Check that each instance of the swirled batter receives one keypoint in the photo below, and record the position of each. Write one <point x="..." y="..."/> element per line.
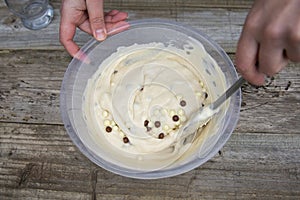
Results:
<point x="142" y="95"/>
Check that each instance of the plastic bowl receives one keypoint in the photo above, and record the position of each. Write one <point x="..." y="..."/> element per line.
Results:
<point x="144" y="32"/>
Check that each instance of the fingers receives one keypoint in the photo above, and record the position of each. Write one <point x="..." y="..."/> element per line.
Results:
<point x="114" y="28"/>
<point x="272" y="58"/>
<point x="85" y="26"/>
<point x="114" y="23"/>
<point x="293" y="52"/>
<point x="114" y="16"/>
<point x="96" y="18"/>
<point x="89" y="17"/>
<point x="80" y="55"/>
<point x="293" y="49"/>
<point x="66" y="34"/>
<point x="246" y="59"/>
<point x="274" y="27"/>
<point x="255" y="60"/>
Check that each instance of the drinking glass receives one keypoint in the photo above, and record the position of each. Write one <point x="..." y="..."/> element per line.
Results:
<point x="34" y="14"/>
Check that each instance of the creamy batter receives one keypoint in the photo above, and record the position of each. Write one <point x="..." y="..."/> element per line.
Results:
<point x="141" y="97"/>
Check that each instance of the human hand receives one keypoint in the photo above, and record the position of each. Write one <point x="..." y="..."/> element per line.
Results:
<point x="270" y="37"/>
<point x="88" y="16"/>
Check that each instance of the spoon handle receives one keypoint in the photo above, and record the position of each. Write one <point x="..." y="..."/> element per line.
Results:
<point x="228" y="93"/>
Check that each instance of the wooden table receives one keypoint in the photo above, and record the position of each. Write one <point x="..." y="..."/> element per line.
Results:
<point x="38" y="160"/>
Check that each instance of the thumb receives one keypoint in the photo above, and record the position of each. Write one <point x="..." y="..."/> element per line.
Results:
<point x="246" y="59"/>
<point x="96" y="18"/>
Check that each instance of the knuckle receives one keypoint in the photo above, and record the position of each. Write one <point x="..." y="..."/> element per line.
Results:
<point x="242" y="68"/>
<point x="97" y="20"/>
<point x="253" y="23"/>
<point x="273" y="32"/>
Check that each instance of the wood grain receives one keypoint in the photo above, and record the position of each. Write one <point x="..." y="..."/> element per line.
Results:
<point x="38" y="160"/>
<point x="223" y="23"/>
<point x="41" y="160"/>
<point x="30" y="85"/>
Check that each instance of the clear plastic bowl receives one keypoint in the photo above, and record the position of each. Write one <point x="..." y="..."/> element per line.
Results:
<point x="142" y="32"/>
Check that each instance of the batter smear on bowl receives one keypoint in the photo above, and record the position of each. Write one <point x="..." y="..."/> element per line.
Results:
<point x="143" y="94"/>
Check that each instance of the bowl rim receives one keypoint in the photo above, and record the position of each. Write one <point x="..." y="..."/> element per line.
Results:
<point x="236" y="98"/>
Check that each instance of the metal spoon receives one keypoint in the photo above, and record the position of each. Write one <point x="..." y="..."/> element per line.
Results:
<point x="203" y="115"/>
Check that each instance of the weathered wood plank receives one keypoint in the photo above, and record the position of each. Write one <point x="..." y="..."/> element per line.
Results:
<point x="41" y="161"/>
<point x="36" y="194"/>
<point x="275" y="107"/>
<point x="217" y="19"/>
<point x="38" y="160"/>
<point x="30" y="85"/>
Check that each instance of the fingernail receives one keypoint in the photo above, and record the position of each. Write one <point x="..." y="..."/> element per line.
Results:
<point x="82" y="57"/>
<point x="100" y="34"/>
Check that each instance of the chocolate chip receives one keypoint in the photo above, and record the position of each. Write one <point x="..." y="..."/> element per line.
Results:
<point x="175" y="118"/>
<point x="157" y="124"/>
<point x="146" y="122"/>
<point x="205" y="95"/>
<point x="203" y="105"/>
<point x="125" y="139"/>
<point x="108" y="129"/>
<point x="182" y="103"/>
<point x="149" y="128"/>
<point x="161" y="136"/>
